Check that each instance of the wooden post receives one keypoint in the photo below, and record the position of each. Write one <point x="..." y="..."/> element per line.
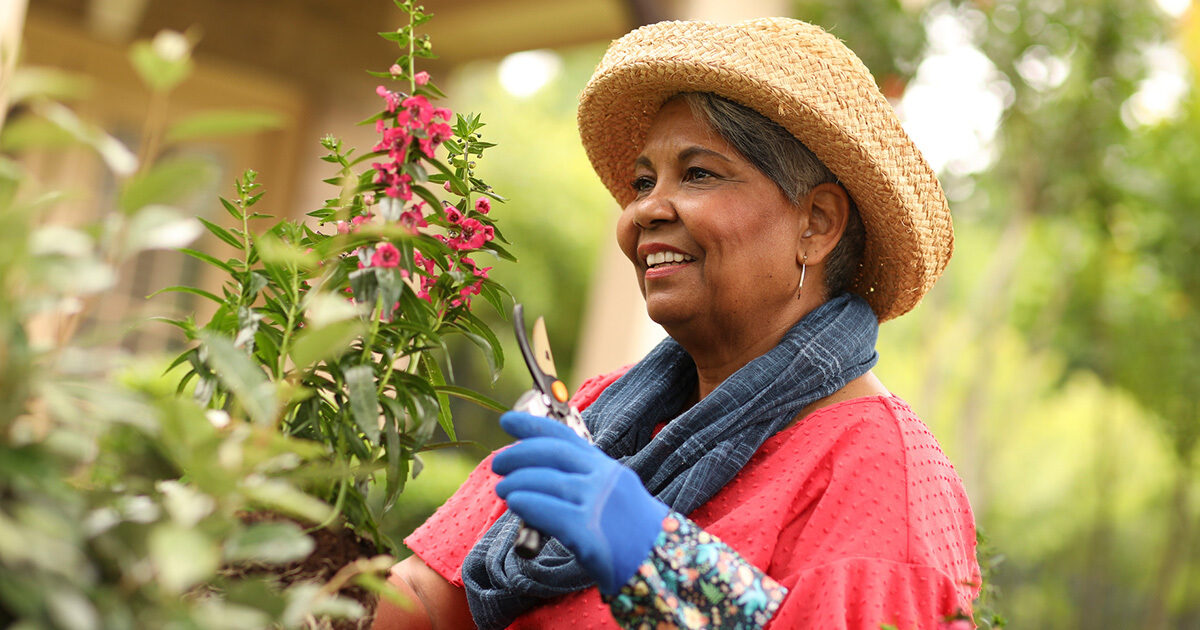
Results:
<point x="12" y="20"/>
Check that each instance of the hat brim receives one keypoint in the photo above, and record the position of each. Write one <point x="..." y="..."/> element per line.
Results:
<point x="806" y="80"/>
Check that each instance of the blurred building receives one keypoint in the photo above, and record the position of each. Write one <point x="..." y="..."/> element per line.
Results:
<point x="306" y="60"/>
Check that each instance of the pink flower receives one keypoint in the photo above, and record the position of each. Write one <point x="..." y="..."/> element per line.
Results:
<point x="369" y="199"/>
<point x="452" y="214"/>
<point x="396" y="70"/>
<point x="412" y="219"/>
<point x="421" y="261"/>
<point x="443" y="113"/>
<point x="357" y="221"/>
<point x="392" y="99"/>
<point x="419" y="108"/>
<point x="471" y="289"/>
<point x="479" y="272"/>
<point x="448" y="188"/>
<point x="483" y="206"/>
<point x="399" y="187"/>
<point x="421" y="78"/>
<point x="386" y="255"/>
<point x="437" y="134"/>
<point x="343" y="227"/>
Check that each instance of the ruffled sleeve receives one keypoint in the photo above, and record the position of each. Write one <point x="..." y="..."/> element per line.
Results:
<point x="865" y="593"/>
<point x="692" y="579"/>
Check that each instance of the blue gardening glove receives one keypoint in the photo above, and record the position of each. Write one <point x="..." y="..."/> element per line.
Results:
<point x="566" y="488"/>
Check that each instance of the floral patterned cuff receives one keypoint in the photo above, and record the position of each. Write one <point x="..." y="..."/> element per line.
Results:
<point x="693" y="580"/>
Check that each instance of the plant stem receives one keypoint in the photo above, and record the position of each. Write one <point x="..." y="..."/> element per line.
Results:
<point x="412" y="62"/>
<point x="293" y="304"/>
<point x="387" y="373"/>
<point x="152" y="130"/>
<point x="369" y="342"/>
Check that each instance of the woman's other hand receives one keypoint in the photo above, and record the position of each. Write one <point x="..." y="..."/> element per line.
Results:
<point x="566" y="488"/>
<point x="433" y="602"/>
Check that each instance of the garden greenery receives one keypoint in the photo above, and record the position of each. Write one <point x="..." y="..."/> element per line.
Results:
<point x="334" y="333"/>
<point x="322" y="371"/>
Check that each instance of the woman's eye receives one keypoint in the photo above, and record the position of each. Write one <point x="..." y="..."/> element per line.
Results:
<point x="696" y="173"/>
<point x="642" y="184"/>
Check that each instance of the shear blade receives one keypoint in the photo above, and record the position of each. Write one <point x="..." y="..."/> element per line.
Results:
<point x="541" y="348"/>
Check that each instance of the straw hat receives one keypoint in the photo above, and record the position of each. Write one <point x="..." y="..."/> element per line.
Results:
<point x="808" y="81"/>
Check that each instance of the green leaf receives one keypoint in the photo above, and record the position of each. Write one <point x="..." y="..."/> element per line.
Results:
<point x="284" y="497"/>
<point x="186" y="505"/>
<point x="276" y="542"/>
<point x="182" y="557"/>
<point x="119" y="159"/>
<point x="473" y="396"/>
<point x="167" y="182"/>
<point x="159" y="227"/>
<point x="499" y="251"/>
<point x="364" y="405"/>
<point x="428" y="196"/>
<point x="225" y="122"/>
<point x="305" y="601"/>
<point x="163" y="62"/>
<point x="319" y="344"/>
<point x="275" y="251"/>
<point x="435" y="373"/>
<point x="397" y="462"/>
<point x="243" y="377"/>
<point x="400" y="37"/>
<point x="482" y="336"/>
<point x="222" y="233"/>
<point x="70" y="609"/>
<point x="199" y="255"/>
<point x="31" y="132"/>
<point x="385" y="590"/>
<point x="31" y="82"/>
<point x="183" y="289"/>
<point x="231" y="208"/>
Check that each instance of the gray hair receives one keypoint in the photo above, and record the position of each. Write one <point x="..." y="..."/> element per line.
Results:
<point x="775" y="152"/>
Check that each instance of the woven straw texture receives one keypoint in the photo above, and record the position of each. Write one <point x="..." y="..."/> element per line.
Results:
<point x="808" y="81"/>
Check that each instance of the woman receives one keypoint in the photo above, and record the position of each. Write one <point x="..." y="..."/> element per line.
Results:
<point x="751" y="470"/>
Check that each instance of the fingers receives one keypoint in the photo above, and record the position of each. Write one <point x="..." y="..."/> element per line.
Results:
<point x="564" y="486"/>
<point x="543" y="452"/>
<point x="525" y="425"/>
<point x="544" y="513"/>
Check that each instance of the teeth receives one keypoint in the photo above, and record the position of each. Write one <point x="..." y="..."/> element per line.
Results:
<point x="659" y="258"/>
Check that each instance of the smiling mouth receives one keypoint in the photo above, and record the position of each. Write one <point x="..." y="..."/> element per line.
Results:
<point x="663" y="259"/>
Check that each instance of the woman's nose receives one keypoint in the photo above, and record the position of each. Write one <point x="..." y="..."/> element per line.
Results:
<point x="653" y="210"/>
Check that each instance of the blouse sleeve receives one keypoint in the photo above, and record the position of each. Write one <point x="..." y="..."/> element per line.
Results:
<point x="867" y="594"/>
<point x="692" y="579"/>
<point x="445" y="539"/>
<point x="882" y="534"/>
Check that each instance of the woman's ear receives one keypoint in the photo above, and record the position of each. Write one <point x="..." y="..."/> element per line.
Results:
<point x="828" y="210"/>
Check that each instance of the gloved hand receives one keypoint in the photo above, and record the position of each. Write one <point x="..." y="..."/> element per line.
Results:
<point x="566" y="488"/>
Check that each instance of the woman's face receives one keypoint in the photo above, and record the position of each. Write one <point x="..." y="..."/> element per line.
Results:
<point x="714" y="242"/>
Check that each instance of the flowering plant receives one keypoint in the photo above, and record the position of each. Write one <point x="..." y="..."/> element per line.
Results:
<point x="336" y="332"/>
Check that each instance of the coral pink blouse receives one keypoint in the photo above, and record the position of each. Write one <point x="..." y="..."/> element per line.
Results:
<point x="855" y="509"/>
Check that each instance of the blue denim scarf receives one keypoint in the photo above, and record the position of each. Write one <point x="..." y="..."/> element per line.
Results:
<point x="694" y="456"/>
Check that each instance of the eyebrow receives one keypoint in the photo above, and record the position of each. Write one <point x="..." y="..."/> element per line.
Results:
<point x="684" y="155"/>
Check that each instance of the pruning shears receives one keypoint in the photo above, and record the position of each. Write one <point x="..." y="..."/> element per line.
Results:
<point x="549" y="397"/>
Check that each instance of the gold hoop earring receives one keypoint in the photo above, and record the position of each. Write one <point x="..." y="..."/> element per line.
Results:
<point x="803" y="266"/>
